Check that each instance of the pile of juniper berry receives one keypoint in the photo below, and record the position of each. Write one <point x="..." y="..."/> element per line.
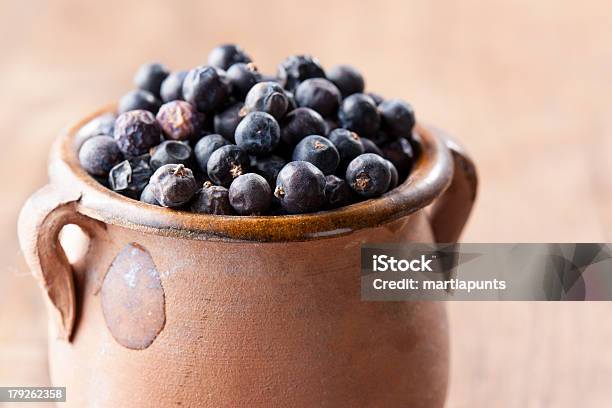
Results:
<point x="225" y="139"/>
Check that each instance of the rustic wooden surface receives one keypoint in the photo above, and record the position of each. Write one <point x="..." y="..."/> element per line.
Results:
<point x="525" y="85"/>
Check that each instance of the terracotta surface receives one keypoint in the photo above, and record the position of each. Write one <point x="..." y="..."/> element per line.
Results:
<point x="524" y="84"/>
<point x="170" y="308"/>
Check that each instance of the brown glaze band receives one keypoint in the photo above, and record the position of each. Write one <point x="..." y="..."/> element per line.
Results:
<point x="431" y="175"/>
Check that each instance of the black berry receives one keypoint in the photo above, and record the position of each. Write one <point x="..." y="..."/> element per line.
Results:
<point x="378" y="99"/>
<point x="370" y="147"/>
<point x="226" y="163"/>
<point x="330" y="124"/>
<point x="299" y="123"/>
<point x="267" y="97"/>
<point x="337" y="192"/>
<point x="173" y="185"/>
<point x="212" y="199"/>
<point x="100" y="125"/>
<point x="138" y="99"/>
<point x="401" y="154"/>
<point x="226" y="121"/>
<point x="250" y="194"/>
<point x="99" y="154"/>
<point x="172" y="87"/>
<point x="397" y="118"/>
<point x="268" y="167"/>
<point x="136" y="132"/>
<point x="179" y="120"/>
<point x="368" y="175"/>
<point x="130" y="177"/>
<point x="298" y="68"/>
<point x="300" y="187"/>
<point x="205" y="147"/>
<point x="394" y="175"/>
<point x="147" y="195"/>
<point x="224" y="56"/>
<point x="150" y="77"/>
<point x="242" y="77"/>
<point x="258" y="133"/>
<point x="347" y="79"/>
<point x="348" y="144"/>
<point x="206" y="88"/>
<point x="170" y="152"/>
<point x="359" y="114"/>
<point x="319" y="94"/>
<point x="319" y="151"/>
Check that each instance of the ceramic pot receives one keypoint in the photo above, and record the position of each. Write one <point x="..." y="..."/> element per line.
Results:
<point x="169" y="308"/>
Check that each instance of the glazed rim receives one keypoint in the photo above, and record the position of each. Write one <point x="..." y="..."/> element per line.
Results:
<point x="430" y="176"/>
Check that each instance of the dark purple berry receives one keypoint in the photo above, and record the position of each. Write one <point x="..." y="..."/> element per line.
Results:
<point x="368" y="175"/>
<point x="242" y="77"/>
<point x="136" y="132"/>
<point x="212" y="199"/>
<point x="292" y="102"/>
<point x="267" y="97"/>
<point x="130" y="177"/>
<point x="370" y="147"/>
<point x="300" y="187"/>
<point x="100" y="125"/>
<point x="225" y="122"/>
<point x="226" y="163"/>
<point x="205" y="147"/>
<point x="99" y="154"/>
<point x="147" y="195"/>
<point x="258" y="133"/>
<point x="299" y="123"/>
<point x="378" y="99"/>
<point x="298" y="68"/>
<point x="401" y="154"/>
<point x="150" y="77"/>
<point x="224" y="56"/>
<point x="319" y="151"/>
<point x="380" y="137"/>
<point x="359" y="114"/>
<point x="268" y="167"/>
<point x="348" y="80"/>
<point x="394" y="175"/>
<point x="319" y="94"/>
<point x="172" y="87"/>
<point x="206" y="88"/>
<point x="330" y="124"/>
<point x="337" y="192"/>
<point x="173" y="185"/>
<point x="397" y="118"/>
<point x="348" y="144"/>
<point x="250" y="194"/>
<point x="138" y="99"/>
<point x="170" y="152"/>
<point x="179" y="120"/>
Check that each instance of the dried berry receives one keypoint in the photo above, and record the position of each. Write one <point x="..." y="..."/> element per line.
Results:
<point x="319" y="94"/>
<point x="348" y="144"/>
<point x="401" y="154"/>
<point x="147" y="195"/>
<point x="319" y="151"/>
<point x="226" y="163"/>
<point x="100" y="125"/>
<point x="224" y="56"/>
<point x="359" y="114"/>
<point x="348" y="80"/>
<point x="368" y="175"/>
<point x="150" y="77"/>
<point x="337" y="192"/>
<point x="170" y="152"/>
<point x="268" y="167"/>
<point x="179" y="120"/>
<point x="298" y="68"/>
<point x="173" y="185"/>
<point x="258" y="133"/>
<point x="206" y="88"/>
<point x="99" y="154"/>
<point x="394" y="175"/>
<point x="206" y="146"/>
<point x="136" y="132"/>
<point x="300" y="187"/>
<point x="226" y="121"/>
<point x="130" y="177"/>
<point x="242" y="77"/>
<point x="267" y="97"/>
<point x="299" y="123"/>
<point x="211" y="199"/>
<point x="397" y="118"/>
<point x="250" y="194"/>
<point x="172" y="87"/>
<point x="139" y="99"/>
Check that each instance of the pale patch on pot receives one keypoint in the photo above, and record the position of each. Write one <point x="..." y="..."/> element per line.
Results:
<point x="133" y="299"/>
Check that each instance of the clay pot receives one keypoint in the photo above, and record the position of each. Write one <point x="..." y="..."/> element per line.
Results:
<point x="170" y="308"/>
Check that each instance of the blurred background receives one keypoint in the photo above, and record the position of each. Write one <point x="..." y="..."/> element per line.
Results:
<point x="525" y="85"/>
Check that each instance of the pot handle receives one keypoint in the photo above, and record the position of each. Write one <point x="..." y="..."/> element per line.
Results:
<point x="40" y="222"/>
<point x="451" y="210"/>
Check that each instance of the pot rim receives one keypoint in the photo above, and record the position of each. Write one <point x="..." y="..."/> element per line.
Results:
<point x="431" y="175"/>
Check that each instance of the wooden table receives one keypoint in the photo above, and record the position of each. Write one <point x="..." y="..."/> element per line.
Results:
<point x="525" y="85"/>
